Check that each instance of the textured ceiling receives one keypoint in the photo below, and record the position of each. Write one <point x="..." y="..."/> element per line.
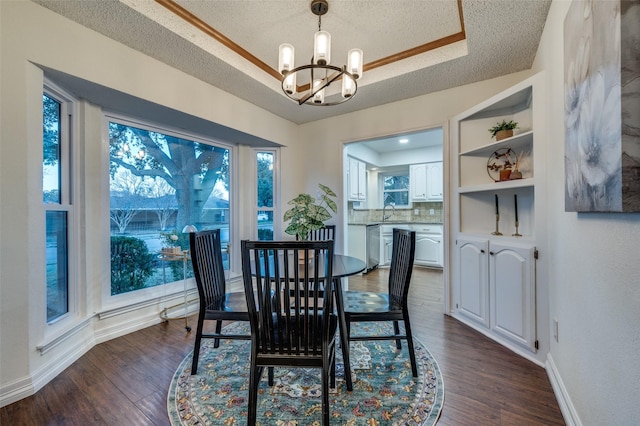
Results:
<point x="501" y="38"/>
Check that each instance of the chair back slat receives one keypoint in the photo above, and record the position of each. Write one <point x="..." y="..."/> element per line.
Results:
<point x="286" y="315"/>
<point x="208" y="268"/>
<point x="404" y="247"/>
<point x="327" y="232"/>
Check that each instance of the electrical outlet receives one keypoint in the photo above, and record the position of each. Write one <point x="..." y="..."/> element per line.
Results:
<point x="416" y="212"/>
<point x="555" y="329"/>
<point x="432" y="211"/>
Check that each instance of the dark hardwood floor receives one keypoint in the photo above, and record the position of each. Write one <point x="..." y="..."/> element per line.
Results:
<point x="125" y="381"/>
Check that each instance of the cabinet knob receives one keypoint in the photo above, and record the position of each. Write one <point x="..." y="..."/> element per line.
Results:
<point x="482" y="251"/>
<point x="491" y="253"/>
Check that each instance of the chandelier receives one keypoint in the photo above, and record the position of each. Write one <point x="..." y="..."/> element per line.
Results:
<point x="318" y="75"/>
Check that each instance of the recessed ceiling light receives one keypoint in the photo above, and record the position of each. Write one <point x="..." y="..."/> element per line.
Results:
<point x="404" y="141"/>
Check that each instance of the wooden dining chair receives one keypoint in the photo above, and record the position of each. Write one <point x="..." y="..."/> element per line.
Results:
<point x="297" y="331"/>
<point x="360" y="306"/>
<point x="215" y="303"/>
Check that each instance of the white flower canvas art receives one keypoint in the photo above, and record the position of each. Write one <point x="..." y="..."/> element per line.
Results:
<point x="602" y="106"/>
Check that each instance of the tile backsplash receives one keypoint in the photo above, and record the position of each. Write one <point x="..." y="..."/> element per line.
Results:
<point x="424" y="215"/>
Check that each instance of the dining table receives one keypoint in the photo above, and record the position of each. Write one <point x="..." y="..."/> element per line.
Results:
<point x="343" y="266"/>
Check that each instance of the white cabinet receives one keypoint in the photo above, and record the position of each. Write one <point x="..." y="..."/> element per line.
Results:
<point x="357" y="180"/>
<point x="512" y="292"/>
<point x="418" y="182"/>
<point x="497" y="288"/>
<point x="434" y="181"/>
<point x="493" y="270"/>
<point x="425" y="181"/>
<point x="472" y="299"/>
<point x="429" y="250"/>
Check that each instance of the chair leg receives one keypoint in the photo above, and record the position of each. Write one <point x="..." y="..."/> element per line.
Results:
<point x="412" y="353"/>
<point x="270" y="376"/>
<point x="396" y="330"/>
<point x="196" y="346"/>
<point x="254" y="382"/>
<point x="325" y="394"/>
<point x="216" y="342"/>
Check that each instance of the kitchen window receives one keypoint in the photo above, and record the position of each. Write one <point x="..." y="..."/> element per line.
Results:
<point x="395" y="188"/>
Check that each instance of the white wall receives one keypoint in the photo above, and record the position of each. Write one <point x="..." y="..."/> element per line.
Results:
<point x="594" y="279"/>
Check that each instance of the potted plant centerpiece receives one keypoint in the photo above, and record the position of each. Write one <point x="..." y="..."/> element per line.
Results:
<point x="308" y="213"/>
<point x="503" y="130"/>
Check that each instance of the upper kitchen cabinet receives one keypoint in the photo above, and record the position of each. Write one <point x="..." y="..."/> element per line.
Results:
<point x="425" y="181"/>
<point x="357" y="180"/>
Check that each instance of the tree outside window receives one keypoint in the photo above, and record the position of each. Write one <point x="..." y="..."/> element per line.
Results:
<point x="159" y="183"/>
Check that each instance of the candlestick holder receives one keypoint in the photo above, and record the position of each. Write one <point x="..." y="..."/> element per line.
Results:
<point x="517" y="234"/>
<point x="497" y="231"/>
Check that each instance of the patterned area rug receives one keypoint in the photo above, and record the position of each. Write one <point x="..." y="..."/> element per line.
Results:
<point x="384" y="391"/>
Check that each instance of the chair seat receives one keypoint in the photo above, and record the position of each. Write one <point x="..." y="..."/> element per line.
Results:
<point x="368" y="302"/>
<point x="232" y="306"/>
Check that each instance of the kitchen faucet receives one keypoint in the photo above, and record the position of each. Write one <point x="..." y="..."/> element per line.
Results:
<point x="393" y="210"/>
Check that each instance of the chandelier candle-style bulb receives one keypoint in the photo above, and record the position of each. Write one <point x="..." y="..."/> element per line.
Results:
<point x="322" y="48"/>
<point x="354" y="63"/>
<point x="286" y="58"/>
<point x="348" y="86"/>
<point x="289" y="84"/>
<point x="318" y="98"/>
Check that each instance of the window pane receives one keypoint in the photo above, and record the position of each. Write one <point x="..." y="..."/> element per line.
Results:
<point x="265" y="225"/>
<point x="265" y="179"/>
<point x="396" y="182"/>
<point x="57" y="265"/>
<point x="51" y="150"/>
<point x="397" y="198"/>
<point x="159" y="184"/>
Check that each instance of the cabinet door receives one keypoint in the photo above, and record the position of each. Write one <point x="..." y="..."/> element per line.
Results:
<point x="418" y="182"/>
<point x="428" y="250"/>
<point x="512" y="287"/>
<point x="473" y="298"/>
<point x="353" y="179"/>
<point x="362" y="181"/>
<point x="434" y="181"/>
<point x="387" y="251"/>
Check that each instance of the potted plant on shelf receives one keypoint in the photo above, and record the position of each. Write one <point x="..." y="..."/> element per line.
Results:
<point x="308" y="213"/>
<point x="503" y="130"/>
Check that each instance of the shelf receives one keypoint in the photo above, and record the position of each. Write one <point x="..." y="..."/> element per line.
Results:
<point x="512" y="104"/>
<point x="497" y="186"/>
<point x="517" y="143"/>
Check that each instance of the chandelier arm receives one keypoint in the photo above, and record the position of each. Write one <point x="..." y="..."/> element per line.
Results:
<point x="312" y="90"/>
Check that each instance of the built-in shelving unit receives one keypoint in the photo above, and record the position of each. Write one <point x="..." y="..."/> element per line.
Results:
<point x="494" y="273"/>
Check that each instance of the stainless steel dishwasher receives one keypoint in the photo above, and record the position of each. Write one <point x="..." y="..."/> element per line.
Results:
<point x="373" y="246"/>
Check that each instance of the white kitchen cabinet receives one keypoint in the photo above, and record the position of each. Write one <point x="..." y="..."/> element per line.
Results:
<point x="497" y="288"/>
<point x="418" y="182"/>
<point x="434" y="181"/>
<point x="429" y="250"/>
<point x="357" y="180"/>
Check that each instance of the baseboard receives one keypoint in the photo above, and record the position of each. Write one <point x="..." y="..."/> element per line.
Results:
<point x="562" y="396"/>
<point x="27" y="386"/>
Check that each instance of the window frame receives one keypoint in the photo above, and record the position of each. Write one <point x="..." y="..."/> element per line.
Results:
<point x="68" y="163"/>
<point x="151" y="294"/>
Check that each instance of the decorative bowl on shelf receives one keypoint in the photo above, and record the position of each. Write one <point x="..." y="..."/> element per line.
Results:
<point x="501" y="164"/>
